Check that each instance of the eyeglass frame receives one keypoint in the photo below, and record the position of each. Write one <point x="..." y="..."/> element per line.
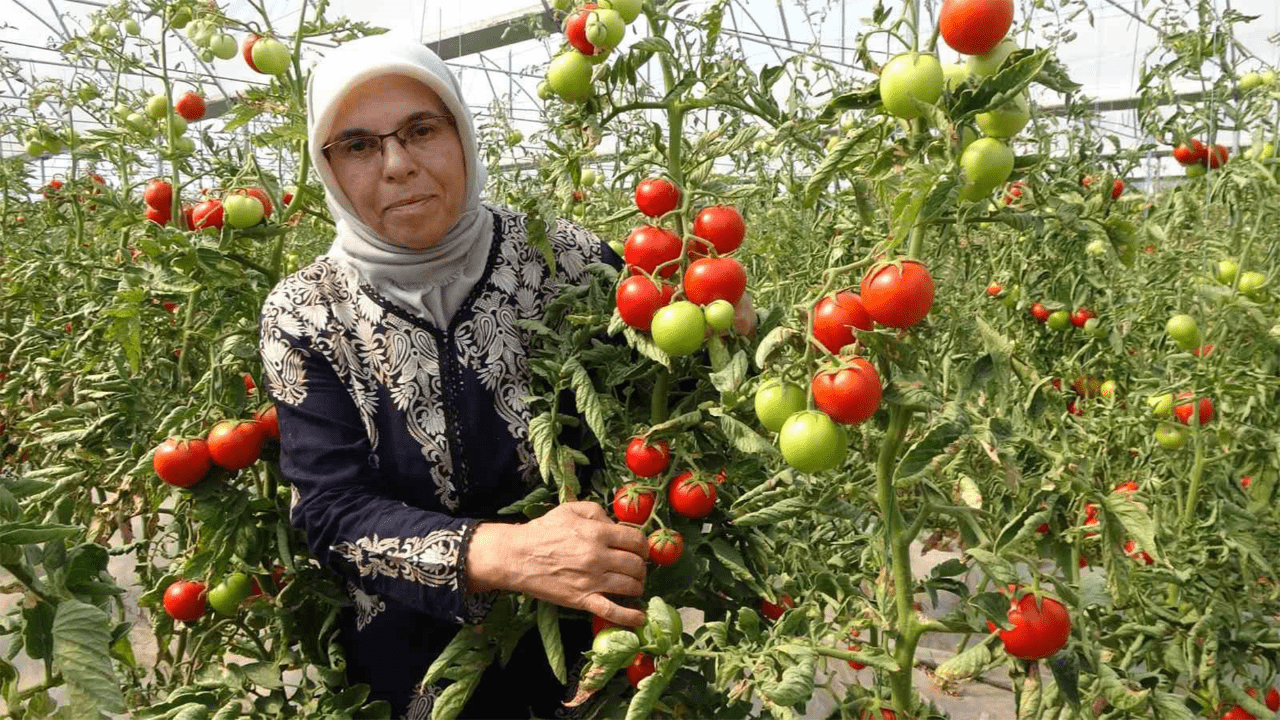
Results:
<point x="382" y="138"/>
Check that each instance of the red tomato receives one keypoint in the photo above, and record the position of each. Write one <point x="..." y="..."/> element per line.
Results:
<point x="709" y="279"/>
<point x="722" y="225"/>
<point x="1071" y="408"/>
<point x="207" y="214"/>
<point x="1246" y="481"/>
<point x="598" y="623"/>
<point x="691" y="497"/>
<point x="665" y="547"/>
<point x="1040" y="313"/>
<point x="181" y="463"/>
<point x="640" y="668"/>
<point x="261" y="195"/>
<point x="639" y="298"/>
<point x="270" y="423"/>
<point x="834" y="319"/>
<point x="1202" y="351"/>
<point x="974" y="27"/>
<point x="1014" y="193"/>
<point x="633" y="505"/>
<point x="649" y="246"/>
<point x="994" y="289"/>
<point x="647" y="460"/>
<point x="848" y="395"/>
<point x="169" y="305"/>
<point x="1217" y="156"/>
<point x="657" y="196"/>
<point x="1086" y="181"/>
<point x="187" y="212"/>
<point x="1043" y="529"/>
<point x="575" y="30"/>
<point x="1132" y="550"/>
<point x="1082" y="316"/>
<point x="236" y="445"/>
<point x="249" y="384"/>
<point x="898" y="298"/>
<point x="1196" y="154"/>
<point x="854" y="663"/>
<point x="248" y="51"/>
<point x="190" y="106"/>
<point x="1237" y="713"/>
<point x="185" y="600"/>
<point x="1183" y="410"/>
<point x="1272" y="701"/>
<point x="1038" y="632"/>
<point x="773" y="612"/>
<point x="157" y="215"/>
<point x="159" y="195"/>
<point x="1117" y="188"/>
<point x="1127" y="487"/>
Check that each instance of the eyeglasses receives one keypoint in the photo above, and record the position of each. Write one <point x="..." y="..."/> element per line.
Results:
<point x="418" y="134"/>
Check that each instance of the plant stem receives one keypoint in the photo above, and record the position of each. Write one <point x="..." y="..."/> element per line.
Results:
<point x="898" y="545"/>
<point x="658" y="412"/>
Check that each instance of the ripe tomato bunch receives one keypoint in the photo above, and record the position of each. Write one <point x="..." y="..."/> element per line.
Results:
<point x="689" y="494"/>
<point x="846" y="389"/>
<point x="230" y="444"/>
<point x="1197" y="154"/>
<point x="712" y="281"/>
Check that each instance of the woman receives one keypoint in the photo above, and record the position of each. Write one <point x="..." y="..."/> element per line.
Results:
<point x="398" y="372"/>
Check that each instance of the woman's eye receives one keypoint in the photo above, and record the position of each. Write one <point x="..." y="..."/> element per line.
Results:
<point x="358" y="146"/>
<point x="421" y="129"/>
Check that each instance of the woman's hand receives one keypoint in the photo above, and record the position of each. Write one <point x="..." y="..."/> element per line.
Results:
<point x="574" y="556"/>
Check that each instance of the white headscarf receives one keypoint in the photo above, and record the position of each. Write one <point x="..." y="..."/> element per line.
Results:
<point x="433" y="282"/>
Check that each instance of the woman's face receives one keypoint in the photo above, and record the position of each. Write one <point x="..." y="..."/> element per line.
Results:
<point x="434" y="172"/>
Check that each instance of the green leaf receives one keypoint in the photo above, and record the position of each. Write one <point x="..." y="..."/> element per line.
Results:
<point x="37" y="630"/>
<point x="81" y="638"/>
<point x="993" y="565"/>
<point x="932" y="445"/>
<point x="1066" y="673"/>
<point x="549" y="629"/>
<point x="773" y="514"/>
<point x="1136" y="522"/>
<point x="772" y="341"/>
<point x="543" y="439"/>
<point x="589" y="403"/>
<point x="31" y="533"/>
<point x="732" y="560"/>
<point x="652" y="45"/>
<point x="646" y="347"/>
<point x="1170" y="706"/>
<point x="796" y="684"/>
<point x="731" y="375"/>
<point x="744" y="438"/>
<point x="967" y="665"/>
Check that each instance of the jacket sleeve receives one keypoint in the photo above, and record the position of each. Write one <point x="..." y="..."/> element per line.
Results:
<point x="387" y="548"/>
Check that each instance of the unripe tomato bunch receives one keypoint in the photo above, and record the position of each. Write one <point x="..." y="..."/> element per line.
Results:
<point x="712" y="281"/>
<point x="912" y="81"/>
<point x="591" y="31"/>
<point x="846" y="389"/>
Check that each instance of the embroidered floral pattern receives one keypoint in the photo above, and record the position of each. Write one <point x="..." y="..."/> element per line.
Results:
<point x="424" y="698"/>
<point x="367" y="606"/>
<point x="430" y="560"/>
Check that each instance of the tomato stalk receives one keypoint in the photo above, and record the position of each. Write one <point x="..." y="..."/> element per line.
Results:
<point x="658" y="411"/>
<point x="898" y="544"/>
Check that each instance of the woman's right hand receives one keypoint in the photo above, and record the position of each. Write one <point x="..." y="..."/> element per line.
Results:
<point x="574" y="556"/>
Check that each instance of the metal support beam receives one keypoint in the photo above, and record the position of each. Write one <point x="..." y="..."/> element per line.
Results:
<point x="496" y="32"/>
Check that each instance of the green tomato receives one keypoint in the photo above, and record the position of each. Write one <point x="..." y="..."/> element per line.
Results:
<point x="1194" y="171"/>
<point x="1108" y="388"/>
<point x="1264" y="150"/>
<point x="35" y="148"/>
<point x="1161" y="405"/>
<point x="1094" y="328"/>
<point x="986" y="163"/>
<point x="228" y="595"/>
<point x="678" y="328"/>
<point x="206" y="55"/>
<point x="223" y="46"/>
<point x="157" y="107"/>
<point x="605" y="28"/>
<point x="107" y="31"/>
<point x="271" y="56"/>
<point x="180" y="18"/>
<point x="615" y="644"/>
<point x="989" y="63"/>
<point x="569" y="76"/>
<point x="719" y="315"/>
<point x="618" y="247"/>
<point x="1006" y="120"/>
<point x="589" y="177"/>
<point x="954" y="75"/>
<point x="1249" y="81"/>
<point x="966" y="137"/>
<point x="1096" y="247"/>
<point x="628" y="9"/>
<point x="812" y="442"/>
<point x="1170" y="437"/>
<point x="131" y="26"/>
<point x="908" y="78"/>
<point x="184" y="145"/>
<point x="515" y="137"/>
<point x="242" y="211"/>
<point x="1226" y="271"/>
<point x="1251" y="283"/>
<point x="776" y="401"/>
<point x="140" y="122"/>
<point x="1011" y="295"/>
<point x="544" y="91"/>
<point x="1060" y="321"/>
<point x="563" y="6"/>
<point x="178" y="123"/>
<point x="1182" y="329"/>
<point x="1268" y="77"/>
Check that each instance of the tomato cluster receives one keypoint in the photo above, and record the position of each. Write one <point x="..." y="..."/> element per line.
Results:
<point x="230" y="444"/>
<point x="591" y="31"/>
<point x="712" y="282"/>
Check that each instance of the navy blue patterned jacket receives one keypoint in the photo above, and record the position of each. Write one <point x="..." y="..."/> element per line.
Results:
<point x="398" y="437"/>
